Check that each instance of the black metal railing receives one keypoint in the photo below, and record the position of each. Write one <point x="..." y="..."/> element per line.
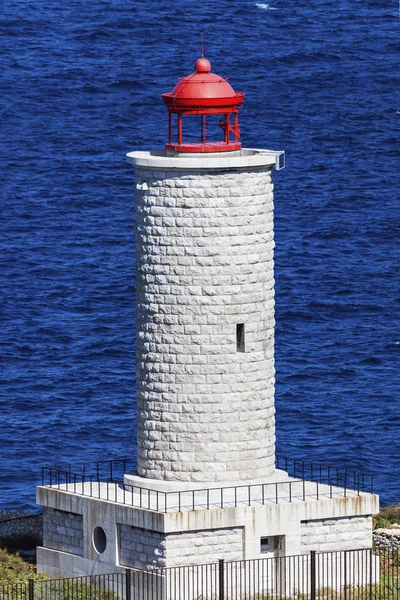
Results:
<point x="339" y="575"/>
<point x="308" y="576"/>
<point x="104" y="470"/>
<point x="335" y="476"/>
<point x="105" y="480"/>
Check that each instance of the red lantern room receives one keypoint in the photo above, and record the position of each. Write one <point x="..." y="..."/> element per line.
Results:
<point x="203" y="94"/>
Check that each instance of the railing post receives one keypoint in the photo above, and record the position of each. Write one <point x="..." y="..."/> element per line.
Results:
<point x="313" y="579"/>
<point x="221" y="573"/>
<point x="31" y="588"/>
<point x="128" y="585"/>
<point x="371" y="574"/>
<point x="345" y="575"/>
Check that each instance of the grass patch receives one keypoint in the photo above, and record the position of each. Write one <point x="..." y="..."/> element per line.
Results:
<point x="387" y="516"/>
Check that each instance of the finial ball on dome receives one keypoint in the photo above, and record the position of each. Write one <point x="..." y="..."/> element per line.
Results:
<point x="203" y="65"/>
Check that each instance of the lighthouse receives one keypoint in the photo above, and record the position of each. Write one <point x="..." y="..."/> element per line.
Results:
<point x="207" y="485"/>
<point x="204" y="294"/>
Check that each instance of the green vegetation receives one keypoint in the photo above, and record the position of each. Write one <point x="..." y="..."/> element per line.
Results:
<point x="387" y="516"/>
<point x="15" y="573"/>
<point x="67" y="589"/>
<point x="14" y="569"/>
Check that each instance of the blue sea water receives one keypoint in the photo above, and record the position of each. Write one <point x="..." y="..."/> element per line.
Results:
<point x="80" y="86"/>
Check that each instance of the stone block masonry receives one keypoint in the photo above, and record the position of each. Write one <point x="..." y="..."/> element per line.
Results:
<point x="201" y="547"/>
<point x="63" y="531"/>
<point x="345" y="533"/>
<point x="138" y="547"/>
<point x="204" y="248"/>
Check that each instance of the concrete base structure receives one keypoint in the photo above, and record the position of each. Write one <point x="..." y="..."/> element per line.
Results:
<point x="140" y="538"/>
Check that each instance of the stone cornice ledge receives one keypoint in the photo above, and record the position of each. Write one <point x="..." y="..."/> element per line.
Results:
<point x="241" y="159"/>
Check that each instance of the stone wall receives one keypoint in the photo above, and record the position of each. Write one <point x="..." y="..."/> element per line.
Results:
<point x="204" y="256"/>
<point x="19" y="525"/>
<point x="198" y="547"/>
<point x="336" y="534"/>
<point x="387" y="539"/>
<point x="142" y="548"/>
<point x="63" y="531"/>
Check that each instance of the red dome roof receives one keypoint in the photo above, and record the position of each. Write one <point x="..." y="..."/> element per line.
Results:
<point x="203" y="90"/>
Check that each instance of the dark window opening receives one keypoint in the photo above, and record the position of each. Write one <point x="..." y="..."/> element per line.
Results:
<point x="240" y="342"/>
<point x="99" y="540"/>
<point x="264" y="545"/>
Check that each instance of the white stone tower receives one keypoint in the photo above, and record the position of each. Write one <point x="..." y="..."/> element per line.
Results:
<point x="206" y="486"/>
<point x="205" y="298"/>
<point x="205" y="317"/>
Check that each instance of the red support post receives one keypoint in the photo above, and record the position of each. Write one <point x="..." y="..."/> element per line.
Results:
<point x="237" y="130"/>
<point x="179" y="129"/>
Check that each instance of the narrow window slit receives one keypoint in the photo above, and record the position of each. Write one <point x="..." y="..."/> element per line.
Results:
<point x="240" y="341"/>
